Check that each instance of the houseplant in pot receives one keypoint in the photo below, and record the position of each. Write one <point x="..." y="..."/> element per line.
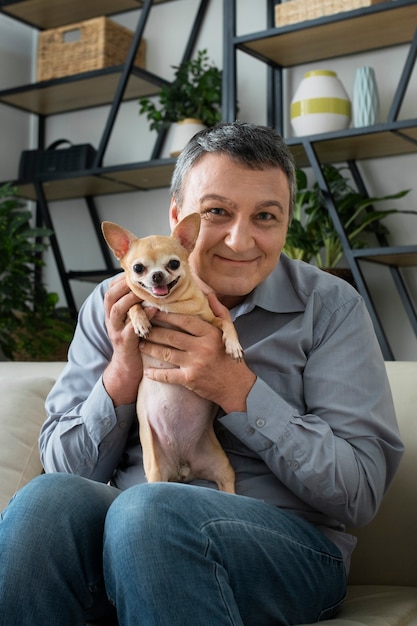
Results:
<point x="31" y="326"/>
<point x="195" y="94"/>
<point x="312" y="236"/>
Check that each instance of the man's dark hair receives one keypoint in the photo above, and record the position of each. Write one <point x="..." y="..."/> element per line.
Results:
<point x="256" y="147"/>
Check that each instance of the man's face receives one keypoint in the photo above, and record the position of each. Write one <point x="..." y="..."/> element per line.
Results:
<point x="244" y="222"/>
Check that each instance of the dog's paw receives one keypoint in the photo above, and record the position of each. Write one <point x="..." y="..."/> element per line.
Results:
<point x="142" y="331"/>
<point x="140" y="322"/>
<point x="233" y="349"/>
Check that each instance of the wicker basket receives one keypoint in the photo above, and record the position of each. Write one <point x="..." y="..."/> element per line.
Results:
<point x="84" y="46"/>
<point x="294" y="11"/>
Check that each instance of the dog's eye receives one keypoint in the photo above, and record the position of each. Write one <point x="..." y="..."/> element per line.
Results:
<point x="173" y="264"/>
<point x="139" y="268"/>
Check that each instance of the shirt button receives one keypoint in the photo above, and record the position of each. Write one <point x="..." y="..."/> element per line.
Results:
<point x="260" y="422"/>
<point x="107" y="421"/>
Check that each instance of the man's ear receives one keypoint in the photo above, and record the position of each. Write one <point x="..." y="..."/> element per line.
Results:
<point x="174" y="214"/>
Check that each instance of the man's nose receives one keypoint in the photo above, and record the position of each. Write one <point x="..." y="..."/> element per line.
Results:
<point x="239" y="237"/>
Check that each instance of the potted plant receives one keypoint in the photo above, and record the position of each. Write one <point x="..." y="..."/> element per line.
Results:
<point x="312" y="236"/>
<point x="31" y="326"/>
<point x="193" y="98"/>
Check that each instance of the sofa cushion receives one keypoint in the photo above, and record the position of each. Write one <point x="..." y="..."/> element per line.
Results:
<point x="386" y="551"/>
<point x="22" y="413"/>
<point x="377" y="605"/>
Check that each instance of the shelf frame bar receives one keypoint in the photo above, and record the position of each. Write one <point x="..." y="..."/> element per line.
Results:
<point x="46" y="218"/>
<point x="229" y="82"/>
<point x="403" y="83"/>
<point x="121" y="88"/>
<point x="351" y="259"/>
<point x="383" y="242"/>
<point x="95" y="220"/>
<point x="191" y="43"/>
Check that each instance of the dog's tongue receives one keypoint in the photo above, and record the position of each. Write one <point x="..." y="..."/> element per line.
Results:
<point x="161" y="290"/>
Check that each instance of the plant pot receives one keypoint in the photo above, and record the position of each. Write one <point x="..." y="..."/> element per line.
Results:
<point x="182" y="132"/>
<point x="341" y="272"/>
<point x="320" y="104"/>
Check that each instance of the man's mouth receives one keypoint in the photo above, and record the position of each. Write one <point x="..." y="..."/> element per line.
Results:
<point x="231" y="260"/>
<point x="160" y="291"/>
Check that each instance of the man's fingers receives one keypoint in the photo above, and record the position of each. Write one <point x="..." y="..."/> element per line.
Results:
<point x="218" y="308"/>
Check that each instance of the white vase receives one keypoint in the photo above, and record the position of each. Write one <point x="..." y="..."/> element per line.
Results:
<point x="182" y="132"/>
<point x="320" y="104"/>
<point x="365" y="98"/>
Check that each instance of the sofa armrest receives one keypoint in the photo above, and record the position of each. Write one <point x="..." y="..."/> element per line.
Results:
<point x="23" y="389"/>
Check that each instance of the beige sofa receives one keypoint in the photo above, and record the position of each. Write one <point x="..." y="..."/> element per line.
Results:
<point x="383" y="578"/>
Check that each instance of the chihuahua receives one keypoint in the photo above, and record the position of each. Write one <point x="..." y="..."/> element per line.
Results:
<point x="175" y="424"/>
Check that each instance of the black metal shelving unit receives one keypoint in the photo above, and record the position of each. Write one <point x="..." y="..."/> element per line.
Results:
<point x="110" y="86"/>
<point x="383" y="25"/>
<point x="379" y="26"/>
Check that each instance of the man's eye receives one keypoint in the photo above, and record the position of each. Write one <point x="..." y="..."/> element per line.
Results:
<point x="208" y="213"/>
<point x="265" y="216"/>
<point x="138" y="268"/>
<point x="173" y="264"/>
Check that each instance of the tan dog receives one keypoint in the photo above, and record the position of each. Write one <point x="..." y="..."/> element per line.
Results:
<point x="175" y="424"/>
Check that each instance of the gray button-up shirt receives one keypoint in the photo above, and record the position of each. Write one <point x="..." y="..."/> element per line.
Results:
<point x="319" y="437"/>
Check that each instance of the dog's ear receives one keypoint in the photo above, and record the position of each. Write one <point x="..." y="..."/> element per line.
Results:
<point x="186" y="231"/>
<point x="118" y="239"/>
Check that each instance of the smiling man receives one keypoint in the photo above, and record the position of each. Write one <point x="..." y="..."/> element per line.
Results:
<point x="306" y="419"/>
<point x="243" y="232"/>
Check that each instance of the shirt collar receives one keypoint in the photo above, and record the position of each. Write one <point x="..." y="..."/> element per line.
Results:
<point x="276" y="293"/>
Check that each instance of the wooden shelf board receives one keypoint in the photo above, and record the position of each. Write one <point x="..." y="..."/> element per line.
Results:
<point x="81" y="91"/>
<point x="399" y="260"/>
<point x="353" y="145"/>
<point x="397" y="256"/>
<point x="316" y="40"/>
<point x="151" y="176"/>
<point x="108" y="180"/>
<point x="46" y="14"/>
<point x="73" y="186"/>
<point x="411" y="133"/>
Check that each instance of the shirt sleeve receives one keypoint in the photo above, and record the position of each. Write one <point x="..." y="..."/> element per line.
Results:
<point x="83" y="433"/>
<point x="341" y="452"/>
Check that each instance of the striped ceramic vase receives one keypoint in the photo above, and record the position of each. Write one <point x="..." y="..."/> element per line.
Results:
<point x="320" y="104"/>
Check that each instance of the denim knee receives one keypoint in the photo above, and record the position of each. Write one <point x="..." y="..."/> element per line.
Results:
<point x="41" y="496"/>
<point x="142" y="515"/>
<point x="48" y="494"/>
<point x="51" y="533"/>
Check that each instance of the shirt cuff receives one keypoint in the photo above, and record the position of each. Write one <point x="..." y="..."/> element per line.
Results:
<point x="265" y="421"/>
<point x="100" y="416"/>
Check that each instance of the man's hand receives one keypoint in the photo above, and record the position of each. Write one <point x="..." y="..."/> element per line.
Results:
<point x="124" y="372"/>
<point x="196" y="348"/>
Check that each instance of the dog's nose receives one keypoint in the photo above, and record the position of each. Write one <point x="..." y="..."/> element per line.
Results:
<point x="157" y="278"/>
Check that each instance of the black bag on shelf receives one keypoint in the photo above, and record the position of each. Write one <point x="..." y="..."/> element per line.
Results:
<point x="37" y="163"/>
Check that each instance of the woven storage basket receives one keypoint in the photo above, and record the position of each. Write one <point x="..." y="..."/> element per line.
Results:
<point x="84" y="46"/>
<point x="294" y="11"/>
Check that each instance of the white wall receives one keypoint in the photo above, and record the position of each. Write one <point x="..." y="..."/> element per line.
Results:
<point x="146" y="212"/>
<point x="16" y="54"/>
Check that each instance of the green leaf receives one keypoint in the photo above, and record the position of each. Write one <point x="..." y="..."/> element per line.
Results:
<point x="196" y="92"/>
<point x="312" y="235"/>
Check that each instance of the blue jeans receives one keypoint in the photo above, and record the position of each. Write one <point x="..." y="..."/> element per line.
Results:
<point x="163" y="553"/>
